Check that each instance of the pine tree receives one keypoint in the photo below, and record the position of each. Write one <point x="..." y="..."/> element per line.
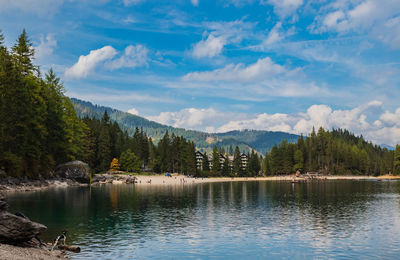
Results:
<point x="254" y="164"/>
<point x="164" y="153"/>
<point x="396" y="161"/>
<point x="267" y="164"/>
<point x="56" y="142"/>
<point x="225" y="167"/>
<point x="24" y="53"/>
<point x="206" y="163"/>
<point x="104" y="144"/>
<point x="237" y="161"/>
<point x="216" y="165"/>
<point x="230" y="150"/>
<point x="299" y="161"/>
<point x="191" y="158"/>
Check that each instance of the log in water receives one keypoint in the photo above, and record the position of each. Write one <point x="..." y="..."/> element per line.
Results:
<point x="75" y="249"/>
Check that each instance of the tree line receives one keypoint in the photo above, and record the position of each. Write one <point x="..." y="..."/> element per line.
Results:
<point x="331" y="152"/>
<point x="137" y="152"/>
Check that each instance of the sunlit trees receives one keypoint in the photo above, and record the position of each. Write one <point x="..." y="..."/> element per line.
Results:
<point x="114" y="165"/>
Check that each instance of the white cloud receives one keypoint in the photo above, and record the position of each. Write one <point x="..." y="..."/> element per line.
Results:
<point x="284" y="8"/>
<point x="134" y="56"/>
<point x="374" y="17"/>
<point x="262" y="69"/>
<point x="46" y="46"/>
<point x="391" y="119"/>
<point x="45" y="7"/>
<point x="389" y="32"/>
<point x="210" y="47"/>
<point x="385" y="130"/>
<point x="131" y="2"/>
<point x="195" y="2"/>
<point x="275" y="34"/>
<point x="238" y="3"/>
<point x="87" y="64"/>
<point x="221" y="34"/>
<point x="258" y="81"/>
<point x="332" y="20"/>
<point x="193" y="118"/>
<point x="133" y="111"/>
<point x="234" y="31"/>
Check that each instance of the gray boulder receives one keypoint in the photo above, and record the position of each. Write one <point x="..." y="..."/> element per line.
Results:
<point x="75" y="170"/>
<point x="15" y="229"/>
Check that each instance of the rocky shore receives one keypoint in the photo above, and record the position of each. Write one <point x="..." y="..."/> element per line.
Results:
<point x="17" y="232"/>
<point x="75" y="173"/>
<point x="11" y="184"/>
<point x="17" y="236"/>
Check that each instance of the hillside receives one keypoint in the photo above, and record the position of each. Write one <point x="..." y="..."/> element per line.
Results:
<point x="260" y="141"/>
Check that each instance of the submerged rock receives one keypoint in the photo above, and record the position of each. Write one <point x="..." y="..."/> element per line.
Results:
<point x="75" y="170"/>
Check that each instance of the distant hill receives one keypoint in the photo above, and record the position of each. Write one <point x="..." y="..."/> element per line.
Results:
<point x="260" y="141"/>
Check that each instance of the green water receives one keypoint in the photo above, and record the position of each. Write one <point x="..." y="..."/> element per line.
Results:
<point x="240" y="220"/>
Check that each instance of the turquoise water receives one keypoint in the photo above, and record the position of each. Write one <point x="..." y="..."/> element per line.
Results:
<point x="253" y="220"/>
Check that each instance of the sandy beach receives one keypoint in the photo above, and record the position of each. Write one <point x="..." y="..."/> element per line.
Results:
<point x="181" y="179"/>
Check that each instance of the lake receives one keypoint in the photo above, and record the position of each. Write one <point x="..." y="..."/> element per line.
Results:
<point x="235" y="220"/>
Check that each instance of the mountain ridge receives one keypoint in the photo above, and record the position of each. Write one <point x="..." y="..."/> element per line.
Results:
<point x="246" y="140"/>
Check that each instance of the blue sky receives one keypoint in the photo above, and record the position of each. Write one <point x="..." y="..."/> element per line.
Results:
<point x="222" y="65"/>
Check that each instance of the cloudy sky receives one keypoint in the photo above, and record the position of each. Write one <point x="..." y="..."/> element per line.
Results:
<point x="225" y="64"/>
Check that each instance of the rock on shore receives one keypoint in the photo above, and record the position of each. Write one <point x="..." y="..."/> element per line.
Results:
<point x="75" y="170"/>
<point x="15" y="229"/>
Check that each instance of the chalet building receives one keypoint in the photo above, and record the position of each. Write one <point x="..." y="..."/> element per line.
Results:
<point x="244" y="161"/>
<point x="221" y="159"/>
<point x="200" y="157"/>
<point x="199" y="160"/>
<point x="210" y="161"/>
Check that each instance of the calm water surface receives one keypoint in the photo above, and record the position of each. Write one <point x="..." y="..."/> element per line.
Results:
<point x="253" y="220"/>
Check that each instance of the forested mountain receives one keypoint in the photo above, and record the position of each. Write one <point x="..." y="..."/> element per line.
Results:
<point x="261" y="141"/>
<point x="246" y="140"/>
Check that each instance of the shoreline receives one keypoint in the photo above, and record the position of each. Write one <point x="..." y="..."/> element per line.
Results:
<point x="16" y="185"/>
<point x="180" y="179"/>
<point x="176" y="179"/>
